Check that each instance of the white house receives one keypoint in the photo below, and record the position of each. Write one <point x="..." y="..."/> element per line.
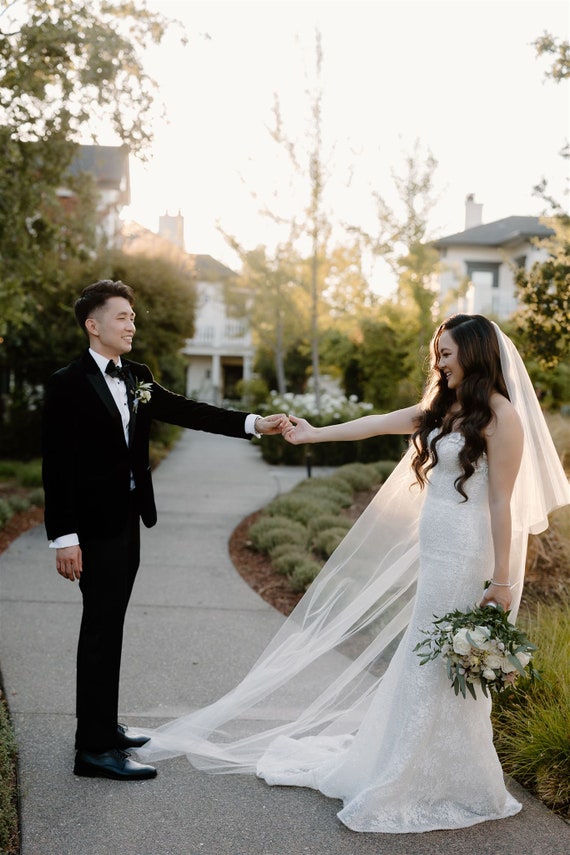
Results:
<point x="221" y="352"/>
<point x="109" y="166"/>
<point x="478" y="265"/>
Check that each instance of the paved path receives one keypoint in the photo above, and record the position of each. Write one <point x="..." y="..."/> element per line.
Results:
<point x="193" y="629"/>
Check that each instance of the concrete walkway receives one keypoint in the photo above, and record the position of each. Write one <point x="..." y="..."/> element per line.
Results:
<point x="193" y="629"/>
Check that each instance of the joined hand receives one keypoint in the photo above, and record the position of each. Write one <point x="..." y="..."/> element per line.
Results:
<point x="274" y="424"/>
<point x="298" y="431"/>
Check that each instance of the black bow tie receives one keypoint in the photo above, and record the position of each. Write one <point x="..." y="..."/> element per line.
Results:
<point x="120" y="372"/>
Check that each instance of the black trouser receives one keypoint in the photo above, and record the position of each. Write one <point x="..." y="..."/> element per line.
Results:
<point x="109" y="569"/>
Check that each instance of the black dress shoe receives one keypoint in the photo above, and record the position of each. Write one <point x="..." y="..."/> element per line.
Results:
<point x="126" y="740"/>
<point x="114" y="764"/>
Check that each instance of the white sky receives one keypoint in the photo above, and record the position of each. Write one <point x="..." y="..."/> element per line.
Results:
<point x="459" y="75"/>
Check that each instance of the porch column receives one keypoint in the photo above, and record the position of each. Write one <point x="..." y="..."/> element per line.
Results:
<point x="216" y="377"/>
<point x="247" y="367"/>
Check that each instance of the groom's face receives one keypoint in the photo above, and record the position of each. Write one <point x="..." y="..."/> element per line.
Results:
<point x="111" y="328"/>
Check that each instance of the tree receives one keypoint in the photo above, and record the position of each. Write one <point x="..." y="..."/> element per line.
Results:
<point x="347" y="292"/>
<point x="50" y="336"/>
<point x="271" y="281"/>
<point x="559" y="71"/>
<point x="165" y="302"/>
<point x="560" y="50"/>
<point x="402" y="239"/>
<point x="544" y="291"/>
<point x="544" y="319"/>
<point x="382" y="364"/>
<point x="67" y="68"/>
<point x="309" y="161"/>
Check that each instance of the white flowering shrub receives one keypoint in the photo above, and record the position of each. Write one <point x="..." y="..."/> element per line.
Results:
<point x="334" y="408"/>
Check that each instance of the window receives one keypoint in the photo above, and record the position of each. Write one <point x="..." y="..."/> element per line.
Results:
<point x="484" y="273"/>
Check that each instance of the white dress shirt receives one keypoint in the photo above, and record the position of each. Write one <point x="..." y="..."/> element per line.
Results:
<point x="117" y="388"/>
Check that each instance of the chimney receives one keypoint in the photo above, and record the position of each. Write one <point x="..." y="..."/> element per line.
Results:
<point x="473" y="212"/>
<point x="172" y="228"/>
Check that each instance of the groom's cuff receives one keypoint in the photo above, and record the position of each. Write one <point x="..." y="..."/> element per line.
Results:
<point x="63" y="541"/>
<point x="249" y="426"/>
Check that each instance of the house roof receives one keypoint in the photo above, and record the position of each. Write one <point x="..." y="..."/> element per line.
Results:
<point x="109" y="165"/>
<point x="209" y="268"/>
<point x="137" y="238"/>
<point x="498" y="233"/>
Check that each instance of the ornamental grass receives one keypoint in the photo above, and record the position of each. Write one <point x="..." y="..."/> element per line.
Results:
<point x="531" y="726"/>
<point x="326" y="541"/>
<point x="9" y="842"/>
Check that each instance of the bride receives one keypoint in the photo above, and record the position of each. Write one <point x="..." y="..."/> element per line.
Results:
<point x="338" y="700"/>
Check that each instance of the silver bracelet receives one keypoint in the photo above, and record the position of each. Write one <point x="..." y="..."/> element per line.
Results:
<point x="500" y="584"/>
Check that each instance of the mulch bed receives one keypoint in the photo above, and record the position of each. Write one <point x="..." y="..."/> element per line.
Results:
<point x="18" y="524"/>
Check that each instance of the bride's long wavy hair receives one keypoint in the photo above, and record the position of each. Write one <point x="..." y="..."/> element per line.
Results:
<point x="480" y="360"/>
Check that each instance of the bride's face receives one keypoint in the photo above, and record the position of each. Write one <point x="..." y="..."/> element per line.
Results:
<point x="448" y="362"/>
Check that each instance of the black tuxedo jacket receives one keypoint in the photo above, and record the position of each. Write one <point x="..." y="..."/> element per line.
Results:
<point x="87" y="463"/>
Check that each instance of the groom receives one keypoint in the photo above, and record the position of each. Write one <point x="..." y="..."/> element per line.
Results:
<point x="98" y="485"/>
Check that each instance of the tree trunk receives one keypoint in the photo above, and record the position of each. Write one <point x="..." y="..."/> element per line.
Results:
<point x="315" y="323"/>
<point x="280" y="358"/>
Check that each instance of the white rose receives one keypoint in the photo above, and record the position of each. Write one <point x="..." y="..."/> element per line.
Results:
<point x="507" y="667"/>
<point x="484" y="630"/>
<point x="488" y="674"/>
<point x="493" y="661"/>
<point x="477" y="637"/>
<point x="460" y="643"/>
<point x="524" y="658"/>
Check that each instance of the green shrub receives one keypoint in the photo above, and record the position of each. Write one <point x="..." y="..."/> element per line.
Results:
<point x="318" y="524"/>
<point x="30" y="474"/>
<point x="37" y="498"/>
<point x="283" y="549"/>
<point x="360" y="476"/>
<point x="252" y="392"/>
<point x="5" y="512"/>
<point x="19" y="503"/>
<point x="320" y="491"/>
<point x="304" y="573"/>
<point x="335" y="483"/>
<point x="8" y="469"/>
<point x="288" y="562"/>
<point x="300" y="508"/>
<point x="325" y="542"/>
<point x="314" y="506"/>
<point x="162" y="438"/>
<point x="333" y="453"/>
<point x="326" y="494"/>
<point x="268" y="532"/>
<point x="384" y="468"/>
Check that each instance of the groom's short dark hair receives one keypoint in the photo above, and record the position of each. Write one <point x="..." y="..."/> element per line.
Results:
<point x="97" y="294"/>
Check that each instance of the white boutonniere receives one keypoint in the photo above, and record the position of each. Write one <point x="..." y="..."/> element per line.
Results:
<point x="143" y="393"/>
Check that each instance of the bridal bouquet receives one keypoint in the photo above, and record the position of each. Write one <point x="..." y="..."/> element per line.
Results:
<point x="479" y="648"/>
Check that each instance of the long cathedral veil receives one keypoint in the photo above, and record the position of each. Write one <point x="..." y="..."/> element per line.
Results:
<point x="318" y="674"/>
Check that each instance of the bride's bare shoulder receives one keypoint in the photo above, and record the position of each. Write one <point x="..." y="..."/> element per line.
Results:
<point x="505" y="417"/>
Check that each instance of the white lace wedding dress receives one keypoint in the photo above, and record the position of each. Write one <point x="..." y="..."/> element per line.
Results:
<point x="423" y="758"/>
